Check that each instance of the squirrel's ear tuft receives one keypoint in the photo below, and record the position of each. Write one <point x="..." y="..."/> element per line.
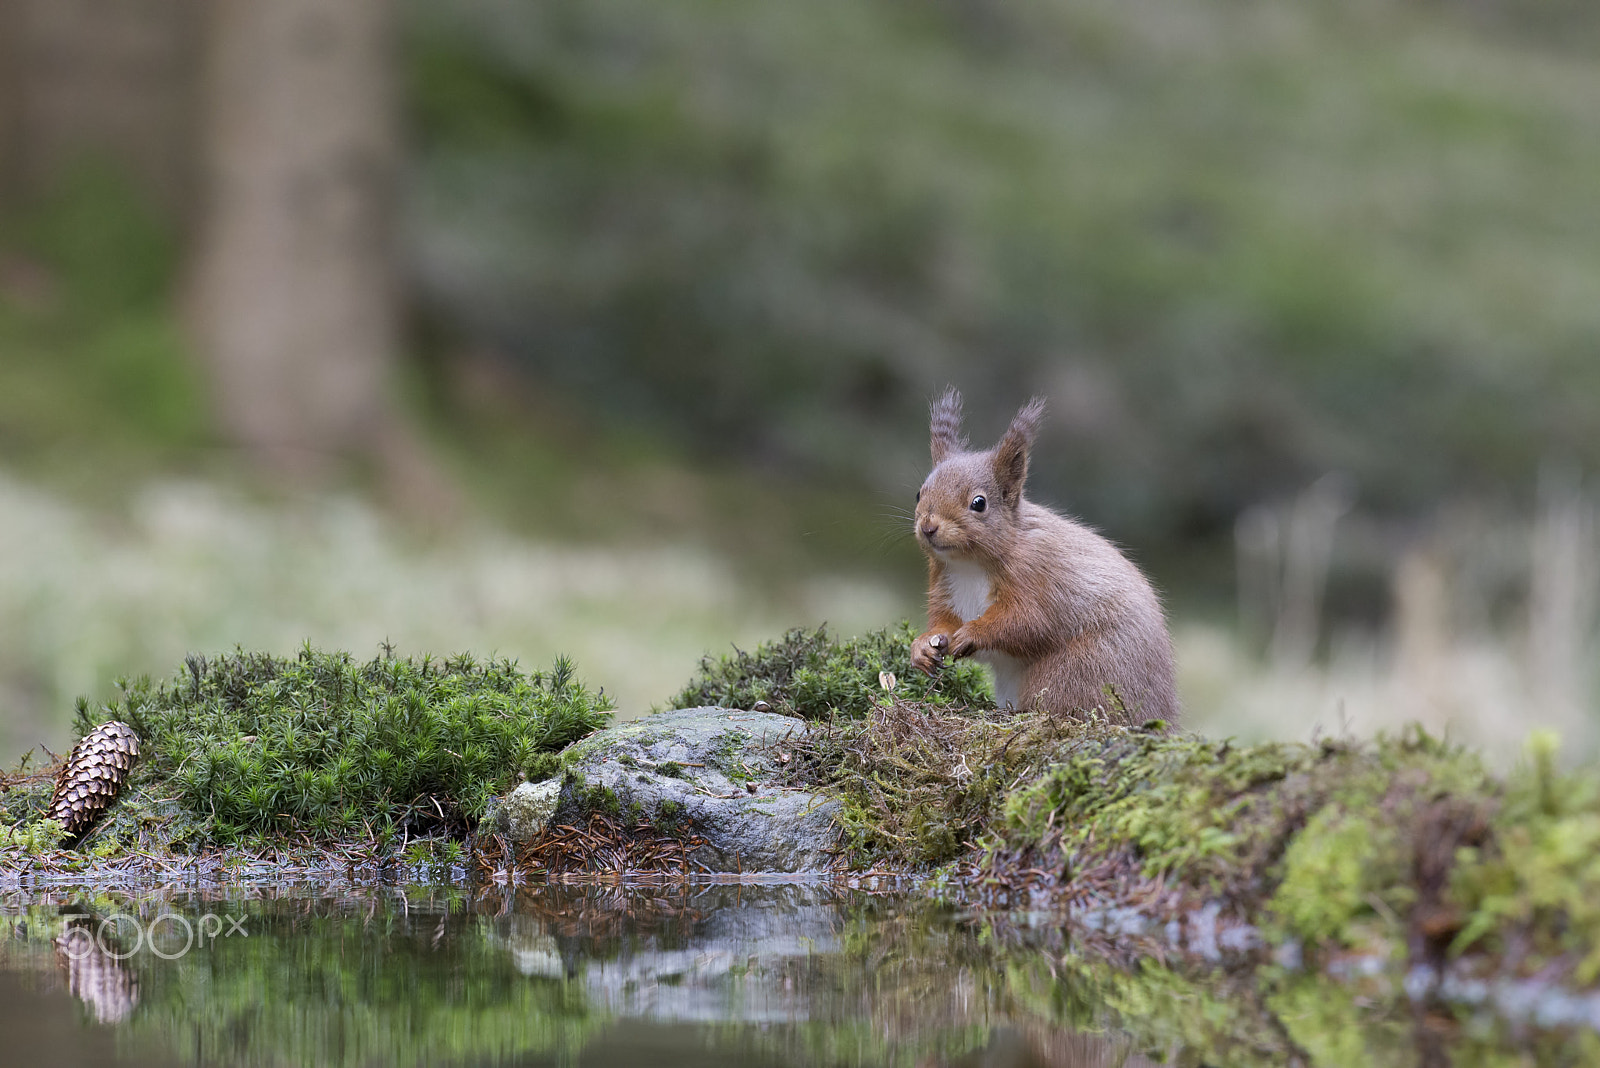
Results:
<point x="945" y="425"/>
<point x="1011" y="455"/>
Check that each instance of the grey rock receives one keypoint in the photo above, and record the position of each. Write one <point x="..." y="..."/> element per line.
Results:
<point x="693" y="769"/>
<point x="523" y="814"/>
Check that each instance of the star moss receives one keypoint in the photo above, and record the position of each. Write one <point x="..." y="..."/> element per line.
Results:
<point x="320" y="746"/>
<point x="808" y="673"/>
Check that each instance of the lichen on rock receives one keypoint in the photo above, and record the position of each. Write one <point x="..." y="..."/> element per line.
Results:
<point x="525" y="812"/>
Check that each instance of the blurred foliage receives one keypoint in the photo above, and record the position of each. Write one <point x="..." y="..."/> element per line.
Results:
<point x="1237" y="244"/>
<point x="250" y="746"/>
<point x="93" y="371"/>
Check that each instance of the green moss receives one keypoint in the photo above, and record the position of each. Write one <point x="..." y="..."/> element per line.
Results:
<point x="543" y="766"/>
<point x="31" y="839"/>
<point x="1335" y="840"/>
<point x="1536" y="877"/>
<point x="247" y="747"/>
<point x="26" y="800"/>
<point x="1185" y="807"/>
<point x="726" y="753"/>
<point x="598" y="799"/>
<point x="814" y="676"/>
<point x="1330" y="879"/>
<point x="1404" y="846"/>
<point x="919" y="784"/>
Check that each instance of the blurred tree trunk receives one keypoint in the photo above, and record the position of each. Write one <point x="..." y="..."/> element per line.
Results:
<point x="294" y="297"/>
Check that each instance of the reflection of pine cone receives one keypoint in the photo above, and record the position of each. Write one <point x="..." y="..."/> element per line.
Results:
<point x="95" y="976"/>
<point x="92" y="776"/>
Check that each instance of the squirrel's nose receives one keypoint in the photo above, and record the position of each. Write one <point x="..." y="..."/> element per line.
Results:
<point x="929" y="529"/>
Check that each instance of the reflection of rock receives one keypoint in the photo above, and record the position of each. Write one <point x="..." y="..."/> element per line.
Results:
<point x="709" y="772"/>
<point x="710" y="953"/>
<point x="890" y="973"/>
<point x="95" y="977"/>
<point x="539" y="955"/>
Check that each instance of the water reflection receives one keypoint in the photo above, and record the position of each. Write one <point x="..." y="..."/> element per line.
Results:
<point x="736" y="974"/>
<point x="710" y="974"/>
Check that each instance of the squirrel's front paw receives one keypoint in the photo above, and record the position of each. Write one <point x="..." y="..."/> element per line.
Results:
<point x="928" y="651"/>
<point x="961" y="644"/>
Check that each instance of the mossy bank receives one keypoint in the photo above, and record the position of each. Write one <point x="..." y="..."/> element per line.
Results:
<point x="258" y="754"/>
<point x="1403" y="849"/>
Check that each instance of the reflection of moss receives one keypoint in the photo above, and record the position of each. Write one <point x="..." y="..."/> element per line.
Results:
<point x="437" y="979"/>
<point x="1042" y="980"/>
<point x="314" y="984"/>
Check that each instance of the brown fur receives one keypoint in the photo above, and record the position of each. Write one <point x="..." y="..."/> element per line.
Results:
<point x="1070" y="625"/>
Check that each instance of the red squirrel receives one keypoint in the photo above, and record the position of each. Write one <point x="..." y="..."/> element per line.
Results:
<point x="1067" y="622"/>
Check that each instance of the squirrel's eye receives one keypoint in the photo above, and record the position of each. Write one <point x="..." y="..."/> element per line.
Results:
<point x="919" y="496"/>
<point x="978" y="503"/>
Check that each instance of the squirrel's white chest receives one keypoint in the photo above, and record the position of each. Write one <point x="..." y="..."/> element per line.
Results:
<point x="969" y="589"/>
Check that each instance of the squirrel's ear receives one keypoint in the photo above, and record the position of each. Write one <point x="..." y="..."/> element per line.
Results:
<point x="1011" y="455"/>
<point x="945" y="424"/>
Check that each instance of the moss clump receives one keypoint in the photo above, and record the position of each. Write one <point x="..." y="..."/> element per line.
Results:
<point x="809" y="674"/>
<point x="1533" y="881"/>
<point x="670" y="815"/>
<point x="598" y="799"/>
<point x="543" y="766"/>
<point x="33" y="838"/>
<point x="248" y="747"/>
<point x="25" y="796"/>
<point x="919" y="785"/>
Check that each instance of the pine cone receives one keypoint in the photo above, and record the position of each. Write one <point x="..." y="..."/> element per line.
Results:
<point x="93" y="775"/>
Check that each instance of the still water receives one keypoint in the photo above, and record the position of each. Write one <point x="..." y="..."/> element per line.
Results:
<point x="773" y="974"/>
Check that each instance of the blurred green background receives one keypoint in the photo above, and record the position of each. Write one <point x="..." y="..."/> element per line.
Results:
<point x="609" y="328"/>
